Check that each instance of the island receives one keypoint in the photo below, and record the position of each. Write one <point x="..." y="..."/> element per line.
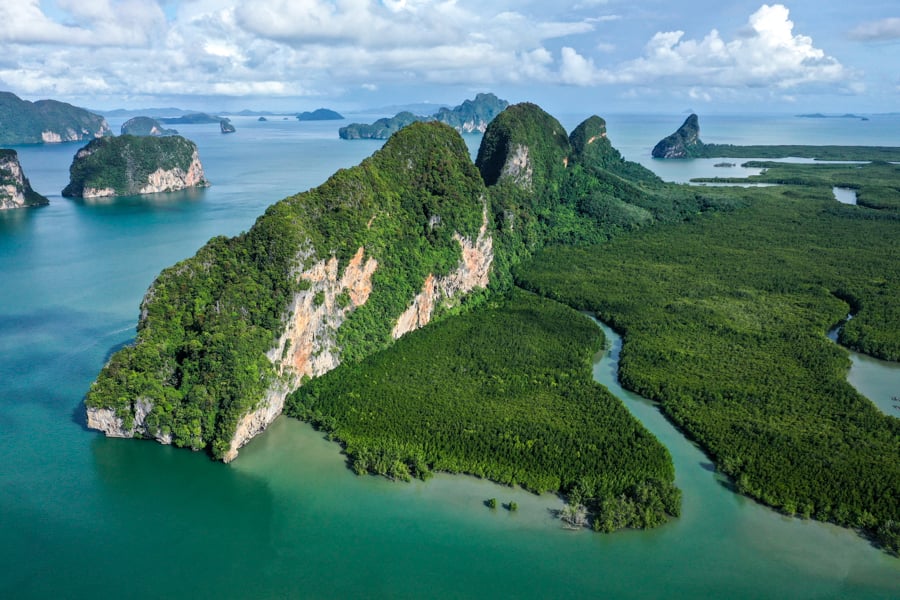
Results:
<point x="145" y="126"/>
<point x="46" y="121"/>
<point x="191" y="119"/>
<point x="469" y="117"/>
<point x="686" y="143"/>
<point x="262" y="119"/>
<point x="15" y="189"/>
<point x="130" y="165"/>
<point x="225" y="126"/>
<point x="320" y="114"/>
<point x="824" y="116"/>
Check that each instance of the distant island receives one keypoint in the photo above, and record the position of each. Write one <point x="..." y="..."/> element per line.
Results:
<point x="822" y="116"/>
<point x="320" y="114"/>
<point x="191" y="119"/>
<point x="686" y="143"/>
<point x="225" y="126"/>
<point x="469" y="117"/>
<point x="130" y="165"/>
<point x="46" y="121"/>
<point x="15" y="189"/>
<point x="145" y="126"/>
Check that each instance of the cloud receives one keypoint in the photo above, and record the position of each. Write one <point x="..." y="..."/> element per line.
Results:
<point x="885" y="29"/>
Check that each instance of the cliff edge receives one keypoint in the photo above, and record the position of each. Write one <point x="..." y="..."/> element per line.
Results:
<point x="15" y="189"/>
<point x="684" y="143"/>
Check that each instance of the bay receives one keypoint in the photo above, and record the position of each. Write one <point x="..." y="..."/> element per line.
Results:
<point x="85" y="516"/>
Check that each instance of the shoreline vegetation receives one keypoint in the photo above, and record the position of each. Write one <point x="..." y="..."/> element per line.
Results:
<point x="722" y="296"/>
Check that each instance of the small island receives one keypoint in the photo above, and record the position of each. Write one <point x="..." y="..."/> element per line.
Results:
<point x="225" y="126"/>
<point x="320" y="114"/>
<point x="145" y="126"/>
<point x="131" y="165"/>
<point x="46" y="122"/>
<point x="191" y="119"/>
<point x="684" y="143"/>
<point x="472" y="116"/>
<point x="15" y="189"/>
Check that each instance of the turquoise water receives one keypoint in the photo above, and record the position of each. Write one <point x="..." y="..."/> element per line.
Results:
<point x="84" y="516"/>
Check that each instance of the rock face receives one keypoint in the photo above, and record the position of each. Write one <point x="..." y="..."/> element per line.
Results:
<point x="46" y="121"/>
<point x="225" y="126"/>
<point x="130" y="165"/>
<point x="684" y="143"/>
<point x="15" y="189"/>
<point x="145" y="126"/>
<point x="469" y="117"/>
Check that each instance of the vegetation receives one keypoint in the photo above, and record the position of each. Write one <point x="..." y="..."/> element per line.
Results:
<point x="23" y="122"/>
<point x="145" y="126"/>
<point x="503" y="392"/>
<point x="124" y="163"/>
<point x="320" y="114"/>
<point x="684" y="143"/>
<point x="207" y="322"/>
<point x="191" y="119"/>
<point x="471" y="115"/>
<point x="724" y="321"/>
<point x="13" y="179"/>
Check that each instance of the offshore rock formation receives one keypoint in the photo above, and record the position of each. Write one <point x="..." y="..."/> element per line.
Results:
<point x="225" y="126"/>
<point x="684" y="143"/>
<point x="46" y="121"/>
<point x="469" y="117"/>
<point x="15" y="189"/>
<point x="130" y="165"/>
<point x="145" y="126"/>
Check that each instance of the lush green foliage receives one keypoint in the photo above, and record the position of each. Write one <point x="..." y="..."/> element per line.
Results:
<point x="504" y="392"/>
<point x="684" y="143"/>
<point x="9" y="166"/>
<point x="724" y="322"/>
<point x="23" y="122"/>
<point x="888" y="153"/>
<point x="145" y="126"/>
<point x="124" y="163"/>
<point x="320" y="114"/>
<point x="191" y="118"/>
<point x="200" y="355"/>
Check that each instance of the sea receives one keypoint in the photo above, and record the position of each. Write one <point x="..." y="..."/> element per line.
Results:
<point x="83" y="516"/>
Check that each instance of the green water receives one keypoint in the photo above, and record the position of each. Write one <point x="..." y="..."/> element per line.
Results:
<point x="82" y="516"/>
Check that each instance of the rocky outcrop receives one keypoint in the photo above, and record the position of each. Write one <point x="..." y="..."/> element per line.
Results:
<point x="145" y="126"/>
<point x="684" y="143"/>
<point x="225" y="126"/>
<point x="15" y="189"/>
<point x="130" y="165"/>
<point x="106" y="420"/>
<point x="46" y="121"/>
<point x="320" y="114"/>
<point x="473" y="271"/>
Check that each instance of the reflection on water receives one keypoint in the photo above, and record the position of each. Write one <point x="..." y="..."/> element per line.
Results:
<point x="844" y="195"/>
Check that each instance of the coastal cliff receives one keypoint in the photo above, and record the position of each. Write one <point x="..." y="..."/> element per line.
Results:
<point x="684" y="143"/>
<point x="46" y="121"/>
<point x="131" y="165"/>
<point x="15" y="189"/>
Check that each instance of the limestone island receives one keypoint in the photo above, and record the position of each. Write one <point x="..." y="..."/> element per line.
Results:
<point x="46" y="121"/>
<point x="15" y="189"/>
<point x="225" y="126"/>
<point x="469" y="117"/>
<point x="130" y="165"/>
<point x="145" y="126"/>
<point x="320" y="114"/>
<point x="191" y="119"/>
<point x="684" y="143"/>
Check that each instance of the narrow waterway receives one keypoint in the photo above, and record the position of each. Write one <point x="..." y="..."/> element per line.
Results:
<point x="877" y="380"/>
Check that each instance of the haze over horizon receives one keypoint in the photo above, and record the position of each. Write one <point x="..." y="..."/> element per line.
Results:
<point x="350" y="55"/>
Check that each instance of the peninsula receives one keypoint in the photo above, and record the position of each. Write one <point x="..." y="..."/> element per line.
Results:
<point x="130" y="165"/>
<point x="46" y="121"/>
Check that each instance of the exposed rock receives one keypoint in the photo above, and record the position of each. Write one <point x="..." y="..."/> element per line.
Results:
<point x="105" y="420"/>
<point x="15" y="189"/>
<point x="130" y="165"/>
<point x="46" y="121"/>
<point x="684" y="143"/>
<point x="473" y="272"/>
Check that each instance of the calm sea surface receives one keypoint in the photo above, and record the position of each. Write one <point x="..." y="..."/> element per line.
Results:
<point x="84" y="516"/>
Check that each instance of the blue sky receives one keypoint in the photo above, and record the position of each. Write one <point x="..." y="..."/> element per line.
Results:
<point x="627" y="56"/>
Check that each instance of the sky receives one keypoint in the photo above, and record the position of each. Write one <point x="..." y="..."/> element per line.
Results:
<point x="659" y="56"/>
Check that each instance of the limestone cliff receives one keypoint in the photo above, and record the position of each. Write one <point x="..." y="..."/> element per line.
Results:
<point x="15" y="189"/>
<point x="46" y="121"/>
<point x="130" y="165"/>
<point x="684" y="143"/>
<point x="145" y="126"/>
